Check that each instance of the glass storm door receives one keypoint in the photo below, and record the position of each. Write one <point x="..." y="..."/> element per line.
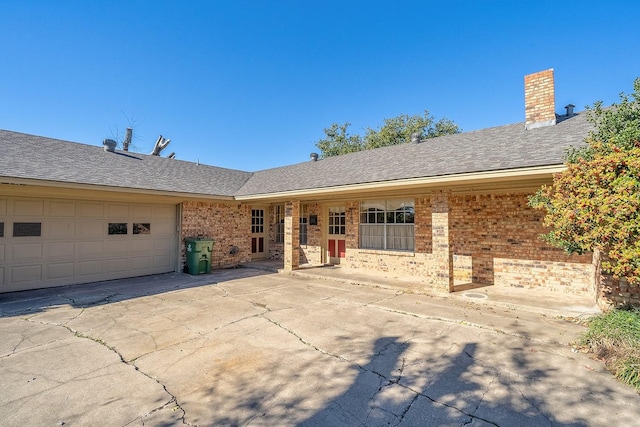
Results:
<point x="257" y="234"/>
<point x="336" y="234"/>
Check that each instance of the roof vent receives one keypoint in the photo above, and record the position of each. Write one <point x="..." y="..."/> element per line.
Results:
<point x="109" y="145"/>
<point x="415" y="137"/>
<point x="313" y="156"/>
<point x="570" y="108"/>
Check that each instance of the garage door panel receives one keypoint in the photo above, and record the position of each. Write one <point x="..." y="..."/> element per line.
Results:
<point x="88" y="249"/>
<point x="26" y="273"/>
<point x="22" y="252"/>
<point x="88" y="229"/>
<point x="116" y="265"/>
<point x="60" y="230"/>
<point x="88" y="268"/>
<point x="61" y="209"/>
<point x="162" y="246"/>
<point x="141" y="212"/>
<point x="141" y="263"/>
<point x="75" y="246"/>
<point x="141" y="246"/>
<point x="163" y="228"/>
<point x="61" y="270"/>
<point x="116" y="247"/>
<point x="89" y="210"/>
<point x="28" y="207"/>
<point x="59" y="250"/>
<point x="117" y="211"/>
<point x="164" y="212"/>
<point x="162" y="261"/>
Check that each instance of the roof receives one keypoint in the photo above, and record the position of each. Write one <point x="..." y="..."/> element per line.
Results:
<point x="35" y="157"/>
<point x="492" y="149"/>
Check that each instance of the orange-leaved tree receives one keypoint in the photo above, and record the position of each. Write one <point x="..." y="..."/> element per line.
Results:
<point x="595" y="202"/>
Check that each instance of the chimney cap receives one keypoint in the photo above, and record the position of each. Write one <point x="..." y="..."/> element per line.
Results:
<point x="569" y="108"/>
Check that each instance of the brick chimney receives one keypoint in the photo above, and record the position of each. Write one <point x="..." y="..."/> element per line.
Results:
<point x="539" y="99"/>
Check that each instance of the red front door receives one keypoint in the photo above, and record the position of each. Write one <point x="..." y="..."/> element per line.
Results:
<point x="336" y="244"/>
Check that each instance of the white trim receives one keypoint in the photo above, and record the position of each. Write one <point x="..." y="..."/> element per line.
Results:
<point x="489" y="176"/>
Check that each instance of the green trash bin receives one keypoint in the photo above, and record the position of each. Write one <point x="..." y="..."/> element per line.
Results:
<point x="198" y="255"/>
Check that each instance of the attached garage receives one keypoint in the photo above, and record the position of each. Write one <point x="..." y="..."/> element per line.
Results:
<point x="53" y="242"/>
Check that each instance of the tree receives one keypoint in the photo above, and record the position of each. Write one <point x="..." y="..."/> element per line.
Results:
<point x="339" y="141"/>
<point x="400" y="130"/>
<point x="595" y="202"/>
<point x="397" y="130"/>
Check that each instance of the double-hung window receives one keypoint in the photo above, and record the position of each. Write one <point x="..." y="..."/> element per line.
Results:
<point x="279" y="225"/>
<point x="304" y="220"/>
<point x="387" y="225"/>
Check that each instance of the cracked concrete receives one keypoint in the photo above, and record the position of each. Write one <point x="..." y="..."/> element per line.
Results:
<point x="240" y="347"/>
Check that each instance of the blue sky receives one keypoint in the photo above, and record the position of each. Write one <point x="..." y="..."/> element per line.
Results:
<point x="250" y="85"/>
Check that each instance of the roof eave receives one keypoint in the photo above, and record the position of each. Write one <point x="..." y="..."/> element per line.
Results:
<point x="444" y="181"/>
<point x="127" y="190"/>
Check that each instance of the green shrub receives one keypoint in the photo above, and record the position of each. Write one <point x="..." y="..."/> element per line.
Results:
<point x="614" y="338"/>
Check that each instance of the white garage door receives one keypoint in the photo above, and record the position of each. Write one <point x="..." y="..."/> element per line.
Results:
<point x="56" y="242"/>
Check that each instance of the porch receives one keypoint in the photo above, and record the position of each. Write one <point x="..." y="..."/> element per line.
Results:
<point x="551" y="303"/>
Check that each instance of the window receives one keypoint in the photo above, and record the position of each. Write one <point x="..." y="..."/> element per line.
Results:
<point x="303" y="224"/>
<point x="1" y="229"/>
<point x="279" y="225"/>
<point x="117" y="228"/>
<point x="26" y="229"/>
<point x="141" y="228"/>
<point x="337" y="220"/>
<point x="257" y="221"/>
<point x="387" y="224"/>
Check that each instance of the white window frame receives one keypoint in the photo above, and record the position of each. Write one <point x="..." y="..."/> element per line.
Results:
<point x="387" y="225"/>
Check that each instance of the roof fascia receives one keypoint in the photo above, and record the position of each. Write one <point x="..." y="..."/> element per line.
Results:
<point x="445" y="181"/>
<point x="125" y="190"/>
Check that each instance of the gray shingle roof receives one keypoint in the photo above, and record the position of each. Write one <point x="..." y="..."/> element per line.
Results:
<point x="492" y="149"/>
<point x="40" y="158"/>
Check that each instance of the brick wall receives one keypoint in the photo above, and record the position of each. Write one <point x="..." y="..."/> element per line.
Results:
<point x="612" y="292"/>
<point x="311" y="253"/>
<point x="539" y="95"/>
<point x="494" y="239"/>
<point x="228" y="224"/>
<point x="500" y="233"/>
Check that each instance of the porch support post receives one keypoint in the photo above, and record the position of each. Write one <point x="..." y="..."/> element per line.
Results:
<point x="291" y="235"/>
<point x="441" y="239"/>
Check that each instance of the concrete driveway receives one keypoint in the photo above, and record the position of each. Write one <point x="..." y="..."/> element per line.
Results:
<point x="244" y="347"/>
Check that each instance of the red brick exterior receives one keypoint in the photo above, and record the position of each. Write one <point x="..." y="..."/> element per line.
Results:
<point x="311" y="253"/>
<point x="228" y="224"/>
<point x="500" y="233"/>
<point x="459" y="239"/>
<point x="613" y="292"/>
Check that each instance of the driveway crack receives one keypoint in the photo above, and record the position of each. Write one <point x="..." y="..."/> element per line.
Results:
<point x="173" y="399"/>
<point x="303" y="341"/>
